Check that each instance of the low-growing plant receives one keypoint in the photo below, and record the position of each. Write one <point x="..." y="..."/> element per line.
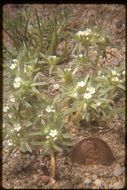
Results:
<point x="86" y="90"/>
<point x="52" y="133"/>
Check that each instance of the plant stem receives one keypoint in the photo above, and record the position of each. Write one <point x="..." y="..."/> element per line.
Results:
<point x="53" y="164"/>
<point x="77" y="116"/>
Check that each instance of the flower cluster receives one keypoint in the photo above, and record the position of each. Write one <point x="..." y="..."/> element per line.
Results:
<point x="74" y="94"/>
<point x="12" y="98"/>
<point x="13" y="65"/>
<point x="115" y="73"/>
<point x="9" y="142"/>
<point x="27" y="68"/>
<point x="115" y="79"/>
<point x="87" y="96"/>
<point x="52" y="134"/>
<point x="56" y="86"/>
<point x="86" y="32"/>
<point x="68" y="69"/>
<point x="81" y="84"/>
<point x="91" y="91"/>
<point x="50" y="109"/>
<point x="52" y="57"/>
<point x="6" y="108"/>
<point x="17" y="82"/>
<point x="17" y="127"/>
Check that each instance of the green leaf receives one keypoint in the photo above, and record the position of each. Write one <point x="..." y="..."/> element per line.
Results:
<point x="104" y="91"/>
<point x="35" y="90"/>
<point x="67" y="136"/>
<point x="65" y="143"/>
<point x="25" y="147"/>
<point x="57" y="148"/>
<point x="94" y="106"/>
<point x="37" y="143"/>
<point x="84" y="107"/>
<point x="28" y="148"/>
<point x="121" y="86"/>
<point x="35" y="133"/>
<point x="68" y="111"/>
<point x="27" y="105"/>
<point x="39" y="83"/>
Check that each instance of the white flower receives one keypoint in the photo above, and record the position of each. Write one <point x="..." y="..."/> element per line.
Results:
<point x="102" y="39"/>
<point x="98" y="103"/>
<point x="56" y="86"/>
<point x="114" y="72"/>
<point x="91" y="90"/>
<point x="86" y="32"/>
<point x="80" y="33"/>
<point x="99" y="72"/>
<point x="50" y="109"/>
<point x="52" y="57"/>
<point x="17" y="127"/>
<point x="87" y="95"/>
<point x="103" y="77"/>
<point x="115" y="79"/>
<point x="10" y="115"/>
<point x="68" y="69"/>
<point x="40" y="115"/>
<point x="123" y="72"/>
<point x="74" y="94"/>
<point x="17" y="82"/>
<point x="9" y="142"/>
<point x="14" y="60"/>
<point x="6" y="108"/>
<point x="13" y="65"/>
<point x="47" y="137"/>
<point x="53" y="133"/>
<point x="27" y="67"/>
<point x="81" y="84"/>
<point x="12" y="98"/>
<point x="80" y="55"/>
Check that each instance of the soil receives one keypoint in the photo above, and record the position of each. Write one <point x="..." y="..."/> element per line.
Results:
<point x="31" y="170"/>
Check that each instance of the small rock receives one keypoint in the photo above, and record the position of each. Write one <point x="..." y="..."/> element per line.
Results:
<point x="94" y="176"/>
<point x="98" y="182"/>
<point x="45" y="179"/>
<point x="119" y="24"/>
<point x="118" y="185"/>
<point x="67" y="184"/>
<point x="27" y="156"/>
<point x="87" y="181"/>
<point x="27" y="164"/>
<point x="118" y="170"/>
<point x="18" y="168"/>
<point x="36" y="165"/>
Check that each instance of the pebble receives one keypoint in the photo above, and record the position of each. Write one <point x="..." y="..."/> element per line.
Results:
<point x="98" y="182"/>
<point x="118" y="170"/>
<point x="87" y="181"/>
<point x="67" y="185"/>
<point x="18" y="168"/>
<point x="36" y="165"/>
<point x="45" y="179"/>
<point x="94" y="176"/>
<point x="118" y="185"/>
